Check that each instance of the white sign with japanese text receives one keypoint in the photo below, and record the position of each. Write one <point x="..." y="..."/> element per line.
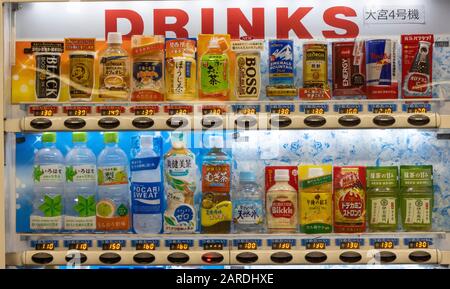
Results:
<point x="406" y="14"/>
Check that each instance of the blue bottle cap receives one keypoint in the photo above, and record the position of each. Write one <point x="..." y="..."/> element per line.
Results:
<point x="247" y="176"/>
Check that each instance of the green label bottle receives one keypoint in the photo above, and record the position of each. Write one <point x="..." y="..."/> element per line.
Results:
<point x="382" y="198"/>
<point x="416" y="197"/>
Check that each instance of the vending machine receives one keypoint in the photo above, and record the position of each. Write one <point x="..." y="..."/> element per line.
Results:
<point x="225" y="133"/>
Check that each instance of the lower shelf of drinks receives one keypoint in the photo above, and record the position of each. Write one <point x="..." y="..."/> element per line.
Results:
<point x="232" y="249"/>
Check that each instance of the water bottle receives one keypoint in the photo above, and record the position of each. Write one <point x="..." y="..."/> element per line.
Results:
<point x="48" y="189"/>
<point x="113" y="207"/>
<point x="146" y="188"/>
<point x="248" y="208"/>
<point x="81" y="186"/>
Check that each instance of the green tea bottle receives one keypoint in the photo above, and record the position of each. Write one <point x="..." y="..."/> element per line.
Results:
<point x="215" y="72"/>
<point x="416" y="190"/>
<point x="382" y="198"/>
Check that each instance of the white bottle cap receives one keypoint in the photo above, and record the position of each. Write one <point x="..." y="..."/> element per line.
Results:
<point x="114" y="38"/>
<point x="282" y="175"/>
<point x="146" y="141"/>
<point x="177" y="140"/>
<point x="216" y="141"/>
<point x="214" y="43"/>
<point x="315" y="172"/>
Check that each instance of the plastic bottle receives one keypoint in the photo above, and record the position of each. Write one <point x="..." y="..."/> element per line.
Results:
<point x="180" y="184"/>
<point x="113" y="207"/>
<point x="248" y="207"/>
<point x="215" y="72"/>
<point x="282" y="205"/>
<point x="114" y="69"/>
<point x="146" y="188"/>
<point x="216" y="209"/>
<point x="48" y="176"/>
<point x="81" y="186"/>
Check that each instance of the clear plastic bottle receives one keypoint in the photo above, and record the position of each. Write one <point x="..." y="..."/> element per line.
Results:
<point x="81" y="186"/>
<point x="114" y="69"/>
<point x="248" y="205"/>
<point x="282" y="205"/>
<point x="180" y="173"/>
<point x="215" y="71"/>
<point x="113" y="207"/>
<point x="216" y="208"/>
<point x="48" y="189"/>
<point x="146" y="188"/>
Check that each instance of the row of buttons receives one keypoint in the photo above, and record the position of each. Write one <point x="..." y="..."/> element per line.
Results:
<point x="175" y="122"/>
<point x="314" y="257"/>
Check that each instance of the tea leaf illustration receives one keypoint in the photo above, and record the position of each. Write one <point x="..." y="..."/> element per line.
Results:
<point x="70" y="173"/>
<point x="37" y="173"/>
<point x="51" y="207"/>
<point x="85" y="206"/>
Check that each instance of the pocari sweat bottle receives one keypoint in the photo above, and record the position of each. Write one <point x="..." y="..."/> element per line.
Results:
<point x="146" y="188"/>
<point x="81" y="186"/>
<point x="48" y="189"/>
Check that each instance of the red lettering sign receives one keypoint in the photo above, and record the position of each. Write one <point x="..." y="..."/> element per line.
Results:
<point x="111" y="16"/>
<point x="237" y="19"/>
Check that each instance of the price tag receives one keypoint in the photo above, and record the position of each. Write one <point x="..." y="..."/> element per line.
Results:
<point x="281" y="244"/>
<point x="350" y="245"/>
<point x="45" y="111"/>
<point x="179" y="244"/>
<point x="212" y="110"/>
<point x="252" y="244"/>
<point x="314" y="108"/>
<point x="178" y="109"/>
<point x="114" y="245"/>
<point x="110" y="110"/>
<point x="246" y="109"/>
<point x="316" y="244"/>
<point x="45" y="246"/>
<point x="386" y="108"/>
<point x="418" y="243"/>
<point x="144" y="110"/>
<point x="282" y="109"/>
<point x="384" y="243"/>
<point x="145" y="245"/>
<point x="416" y="107"/>
<point x="77" y="110"/>
<point x="348" y="108"/>
<point x="80" y="245"/>
<point x="212" y="244"/>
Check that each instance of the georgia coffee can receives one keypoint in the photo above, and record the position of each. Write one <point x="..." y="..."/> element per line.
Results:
<point x="315" y="65"/>
<point x="349" y="71"/>
<point x="417" y="57"/>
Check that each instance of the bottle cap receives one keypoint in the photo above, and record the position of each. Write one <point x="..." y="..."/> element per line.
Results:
<point x="146" y="141"/>
<point x="177" y="140"/>
<point x="216" y="141"/>
<point x="79" y="137"/>
<point x="214" y="43"/>
<point x="114" y="38"/>
<point x="110" y="137"/>
<point x="247" y="176"/>
<point x="49" y="137"/>
<point x="282" y="175"/>
<point x="315" y="172"/>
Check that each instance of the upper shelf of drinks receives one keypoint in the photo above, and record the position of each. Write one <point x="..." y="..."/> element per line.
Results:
<point x="216" y="68"/>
